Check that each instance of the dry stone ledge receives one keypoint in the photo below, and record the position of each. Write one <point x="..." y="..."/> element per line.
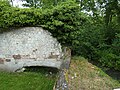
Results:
<point x="62" y="81"/>
<point x="29" y="46"/>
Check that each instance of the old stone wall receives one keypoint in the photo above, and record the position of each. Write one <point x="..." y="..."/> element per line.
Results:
<point x="28" y="46"/>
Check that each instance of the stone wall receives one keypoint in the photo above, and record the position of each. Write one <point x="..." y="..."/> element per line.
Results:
<point x="62" y="81"/>
<point x="28" y="46"/>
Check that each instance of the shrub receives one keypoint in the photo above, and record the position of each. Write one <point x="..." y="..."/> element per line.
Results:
<point x="85" y="35"/>
<point x="63" y="21"/>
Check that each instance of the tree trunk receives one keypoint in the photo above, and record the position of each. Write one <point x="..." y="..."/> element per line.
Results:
<point x="12" y="2"/>
<point x="55" y="2"/>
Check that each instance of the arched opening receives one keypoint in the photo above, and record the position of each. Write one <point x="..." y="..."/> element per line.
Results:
<point x="48" y="71"/>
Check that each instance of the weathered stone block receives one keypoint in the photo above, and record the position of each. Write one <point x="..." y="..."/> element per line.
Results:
<point x="29" y="46"/>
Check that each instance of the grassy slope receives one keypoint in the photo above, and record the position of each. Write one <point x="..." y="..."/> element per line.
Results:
<point x="82" y="76"/>
<point x="27" y="80"/>
<point x="85" y="76"/>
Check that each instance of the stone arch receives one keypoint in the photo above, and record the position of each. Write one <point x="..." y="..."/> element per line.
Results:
<point x="29" y="46"/>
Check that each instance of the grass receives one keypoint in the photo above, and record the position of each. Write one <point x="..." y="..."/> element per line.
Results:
<point x="86" y="76"/>
<point x="32" y="79"/>
<point x="82" y="75"/>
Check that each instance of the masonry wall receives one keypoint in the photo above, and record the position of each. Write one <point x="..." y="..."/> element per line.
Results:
<point x="28" y="46"/>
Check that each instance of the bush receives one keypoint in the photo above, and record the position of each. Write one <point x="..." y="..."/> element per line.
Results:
<point x="110" y="60"/>
<point x="85" y="35"/>
<point x="63" y="21"/>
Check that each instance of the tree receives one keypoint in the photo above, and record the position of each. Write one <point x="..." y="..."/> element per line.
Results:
<point x="11" y="2"/>
<point x="42" y="3"/>
<point x="33" y="3"/>
<point x="112" y="19"/>
<point x="112" y="10"/>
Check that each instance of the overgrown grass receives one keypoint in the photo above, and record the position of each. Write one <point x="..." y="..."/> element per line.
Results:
<point x="32" y="79"/>
<point x="82" y="75"/>
<point x="86" y="76"/>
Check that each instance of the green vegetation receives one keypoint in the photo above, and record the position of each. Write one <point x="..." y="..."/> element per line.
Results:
<point x="96" y="37"/>
<point x="85" y="76"/>
<point x="35" y="79"/>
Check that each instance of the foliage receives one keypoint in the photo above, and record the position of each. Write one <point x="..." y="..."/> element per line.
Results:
<point x="62" y="21"/>
<point x="4" y="5"/>
<point x="110" y="54"/>
<point x="33" y="3"/>
<point x="42" y="3"/>
<point x="89" y="36"/>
